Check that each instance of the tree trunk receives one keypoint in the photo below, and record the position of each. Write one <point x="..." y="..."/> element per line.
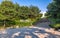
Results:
<point x="4" y="23"/>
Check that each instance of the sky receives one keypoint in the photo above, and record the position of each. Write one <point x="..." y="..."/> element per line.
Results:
<point x="41" y="4"/>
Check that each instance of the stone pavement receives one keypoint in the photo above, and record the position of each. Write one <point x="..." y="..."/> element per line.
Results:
<point x="40" y="30"/>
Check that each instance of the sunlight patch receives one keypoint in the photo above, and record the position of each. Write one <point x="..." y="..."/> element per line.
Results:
<point x="15" y="34"/>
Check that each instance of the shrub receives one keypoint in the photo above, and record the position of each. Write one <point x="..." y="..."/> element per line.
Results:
<point x="58" y="21"/>
<point x="57" y="26"/>
<point x="23" y="23"/>
<point x="51" y="25"/>
<point x="55" y="23"/>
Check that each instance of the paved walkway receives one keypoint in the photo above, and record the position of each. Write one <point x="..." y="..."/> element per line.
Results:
<point x="39" y="30"/>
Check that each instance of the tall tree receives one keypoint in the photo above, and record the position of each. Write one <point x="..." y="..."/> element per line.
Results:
<point x="34" y="11"/>
<point x="54" y="9"/>
<point x="7" y="11"/>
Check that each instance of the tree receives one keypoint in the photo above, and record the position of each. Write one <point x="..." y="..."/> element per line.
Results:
<point x="28" y="12"/>
<point x="54" y="13"/>
<point x="34" y="11"/>
<point x="24" y="11"/>
<point x="7" y="11"/>
<point x="10" y="12"/>
<point x="54" y="9"/>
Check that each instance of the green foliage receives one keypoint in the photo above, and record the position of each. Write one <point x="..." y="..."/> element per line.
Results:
<point x="54" y="13"/>
<point x="56" y="26"/>
<point x="11" y="13"/>
<point x="55" y="23"/>
<point x="54" y="9"/>
<point x="23" y="23"/>
<point x="10" y="23"/>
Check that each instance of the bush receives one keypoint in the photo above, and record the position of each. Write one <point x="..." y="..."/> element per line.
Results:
<point x="10" y="23"/>
<point x="57" y="26"/>
<point x="23" y="23"/>
<point x="51" y="25"/>
<point x="1" y="23"/>
<point x="55" y="23"/>
<point x="58" y="21"/>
